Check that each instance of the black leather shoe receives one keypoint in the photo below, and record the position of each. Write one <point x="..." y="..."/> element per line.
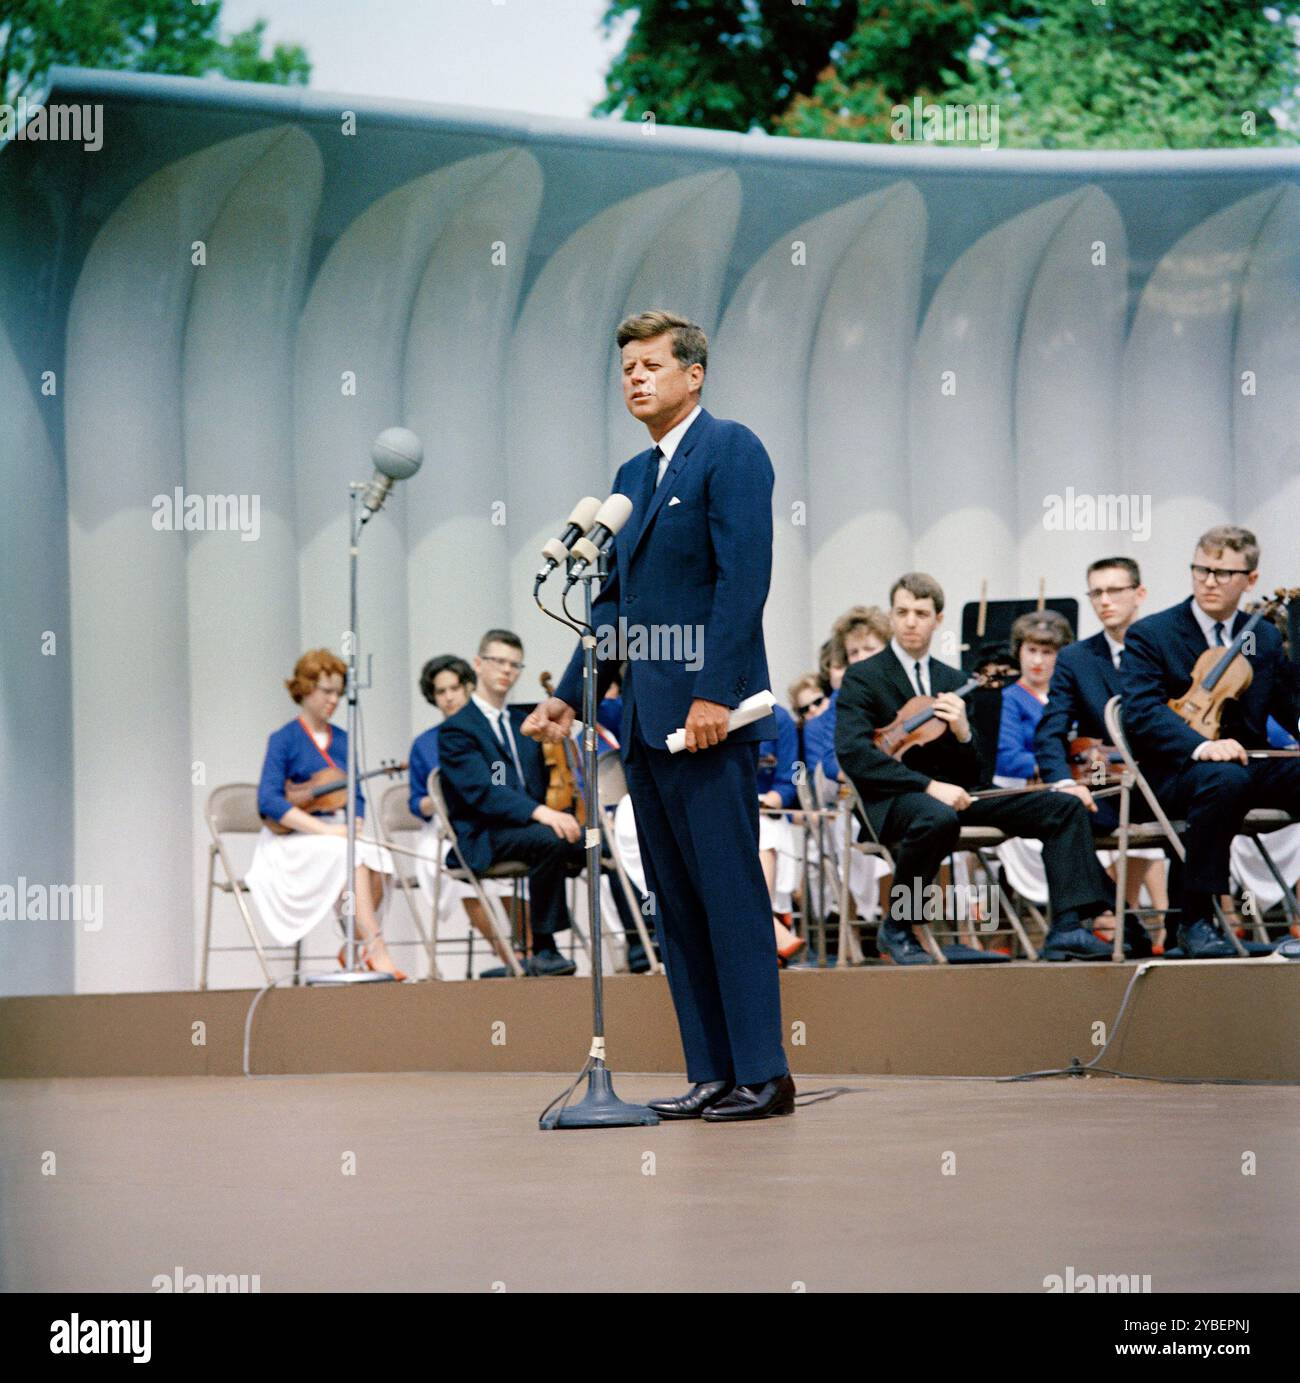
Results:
<point x="638" y="963"/>
<point x="764" y="1101"/>
<point x="550" y="963"/>
<point x="1202" y="940"/>
<point x="901" y="946"/>
<point x="696" y="1100"/>
<point x="1074" y="943"/>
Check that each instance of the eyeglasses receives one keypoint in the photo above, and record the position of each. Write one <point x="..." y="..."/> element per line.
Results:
<point x="1100" y="592"/>
<point x="503" y="662"/>
<point x="1221" y="574"/>
<point x="811" y="705"/>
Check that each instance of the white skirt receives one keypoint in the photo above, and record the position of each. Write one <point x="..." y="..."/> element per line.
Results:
<point x="296" y="880"/>
<point x="1253" y="874"/>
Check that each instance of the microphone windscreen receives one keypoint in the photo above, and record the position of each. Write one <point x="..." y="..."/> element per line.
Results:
<point x="614" y="512"/>
<point x="397" y="453"/>
<point x="584" y="513"/>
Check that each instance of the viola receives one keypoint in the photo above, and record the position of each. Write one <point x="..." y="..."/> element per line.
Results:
<point x="562" y="794"/>
<point x="1221" y="675"/>
<point x="325" y="791"/>
<point x="1094" y="761"/>
<point x="916" y="722"/>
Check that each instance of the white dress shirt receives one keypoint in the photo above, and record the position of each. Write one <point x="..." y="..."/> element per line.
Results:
<point x="499" y="720"/>
<point x="909" y="666"/>
<point x="669" y="441"/>
<point x="1207" y="626"/>
<point x="1116" y="648"/>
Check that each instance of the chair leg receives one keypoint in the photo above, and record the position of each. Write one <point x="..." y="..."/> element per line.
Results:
<point x="1289" y="904"/>
<point x="629" y="893"/>
<point x="207" y="917"/>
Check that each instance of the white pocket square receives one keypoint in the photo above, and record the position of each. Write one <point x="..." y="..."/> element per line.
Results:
<point x="673" y="501"/>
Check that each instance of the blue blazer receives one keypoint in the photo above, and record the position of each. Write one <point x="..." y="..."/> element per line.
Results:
<point x="293" y="756"/>
<point x="470" y="754"/>
<point x="784" y="749"/>
<point x="1159" y="654"/>
<point x="423" y="759"/>
<point x="703" y="563"/>
<point x="819" y="742"/>
<point x="1083" y="681"/>
<point x="1021" y="713"/>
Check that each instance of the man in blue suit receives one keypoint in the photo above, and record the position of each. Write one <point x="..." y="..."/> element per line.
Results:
<point x="494" y="780"/>
<point x="1211" y="783"/>
<point x="689" y="573"/>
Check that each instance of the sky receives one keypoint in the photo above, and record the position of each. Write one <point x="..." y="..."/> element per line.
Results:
<point x="544" y="57"/>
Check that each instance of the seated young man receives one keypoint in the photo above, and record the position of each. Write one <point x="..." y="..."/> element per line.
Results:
<point x="494" y="780"/>
<point x="1210" y="783"/>
<point x="918" y="804"/>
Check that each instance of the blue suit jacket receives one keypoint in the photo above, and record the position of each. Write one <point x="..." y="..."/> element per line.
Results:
<point x="469" y="754"/>
<point x="1083" y="681"/>
<point x="703" y="564"/>
<point x="1159" y="654"/>
<point x="778" y="775"/>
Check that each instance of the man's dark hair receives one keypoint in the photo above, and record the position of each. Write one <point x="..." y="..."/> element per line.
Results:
<point x="505" y="636"/>
<point x="1127" y="563"/>
<point x="690" y="345"/>
<point x="445" y="662"/>
<point x="919" y="586"/>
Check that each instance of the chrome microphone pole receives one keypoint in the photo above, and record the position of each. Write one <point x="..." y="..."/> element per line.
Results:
<point x="600" y="1107"/>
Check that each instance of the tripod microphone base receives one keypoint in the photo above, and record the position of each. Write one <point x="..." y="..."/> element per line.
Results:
<point x="600" y="1107"/>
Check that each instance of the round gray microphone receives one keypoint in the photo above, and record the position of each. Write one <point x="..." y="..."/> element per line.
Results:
<point x="397" y="455"/>
<point x="610" y="518"/>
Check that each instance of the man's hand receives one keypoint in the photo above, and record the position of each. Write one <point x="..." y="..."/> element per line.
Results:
<point x="951" y="709"/>
<point x="562" y="823"/>
<point x="769" y="799"/>
<point x="1222" y="752"/>
<point x="549" y="721"/>
<point x="950" y="794"/>
<point x="1069" y="788"/>
<point x="706" y="724"/>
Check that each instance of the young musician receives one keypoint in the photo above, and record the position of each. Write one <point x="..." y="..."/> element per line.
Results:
<point x="494" y="780"/>
<point x="296" y="879"/>
<point x="1084" y="679"/>
<point x="917" y="804"/>
<point x="1210" y="783"/>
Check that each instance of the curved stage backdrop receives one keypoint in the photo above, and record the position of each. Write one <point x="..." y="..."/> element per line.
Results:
<point x="949" y="354"/>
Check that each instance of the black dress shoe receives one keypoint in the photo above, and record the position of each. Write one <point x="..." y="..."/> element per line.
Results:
<point x="1074" y="943"/>
<point x="764" y="1101"/>
<point x="550" y="963"/>
<point x="696" y="1100"/>
<point x="1202" y="940"/>
<point x="638" y="963"/>
<point x="901" y="946"/>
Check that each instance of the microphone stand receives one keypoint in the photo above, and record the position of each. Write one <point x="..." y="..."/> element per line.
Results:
<point x="600" y="1107"/>
<point x="350" y="975"/>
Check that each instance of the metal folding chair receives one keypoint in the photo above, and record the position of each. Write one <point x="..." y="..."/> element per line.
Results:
<point x="232" y="810"/>
<point x="612" y="782"/>
<point x="396" y="818"/>
<point x="1115" y="730"/>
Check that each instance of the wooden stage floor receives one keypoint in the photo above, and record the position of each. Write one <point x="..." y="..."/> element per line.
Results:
<point x="414" y="1181"/>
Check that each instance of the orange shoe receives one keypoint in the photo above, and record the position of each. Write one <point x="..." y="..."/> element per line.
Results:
<point x="363" y="952"/>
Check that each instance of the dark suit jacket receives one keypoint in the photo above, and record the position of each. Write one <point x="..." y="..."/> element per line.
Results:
<point x="704" y="564"/>
<point x="468" y="754"/>
<point x="1083" y="681"/>
<point x="1159" y="654"/>
<point x="869" y="698"/>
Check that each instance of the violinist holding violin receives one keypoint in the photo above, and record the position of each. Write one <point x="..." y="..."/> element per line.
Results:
<point x="1199" y="682"/>
<point x="916" y="783"/>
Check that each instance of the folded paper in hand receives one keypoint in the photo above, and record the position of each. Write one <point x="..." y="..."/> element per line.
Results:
<point x="751" y="709"/>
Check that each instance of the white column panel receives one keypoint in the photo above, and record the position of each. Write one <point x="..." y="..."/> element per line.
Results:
<point x="557" y="445"/>
<point x="355" y="324"/>
<point x="859" y="520"/>
<point x="456" y="348"/>
<point x="1178" y="389"/>
<point x="962" y="405"/>
<point x="237" y="371"/>
<point x="1067" y="396"/>
<point x="762" y="354"/>
<point x="1266" y="423"/>
<point x="129" y="607"/>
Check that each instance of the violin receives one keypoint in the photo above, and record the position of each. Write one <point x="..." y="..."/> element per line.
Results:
<point x="562" y="793"/>
<point x="1221" y="675"/>
<point x="916" y="722"/>
<point x="326" y="792"/>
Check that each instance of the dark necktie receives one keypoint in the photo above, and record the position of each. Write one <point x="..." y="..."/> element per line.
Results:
<point x="1218" y="635"/>
<point x="507" y="742"/>
<point x="916" y="673"/>
<point x="655" y="458"/>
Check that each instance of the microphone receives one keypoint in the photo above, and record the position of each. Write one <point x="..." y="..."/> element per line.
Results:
<point x="610" y="518"/>
<point x="583" y="516"/>
<point x="397" y="455"/>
